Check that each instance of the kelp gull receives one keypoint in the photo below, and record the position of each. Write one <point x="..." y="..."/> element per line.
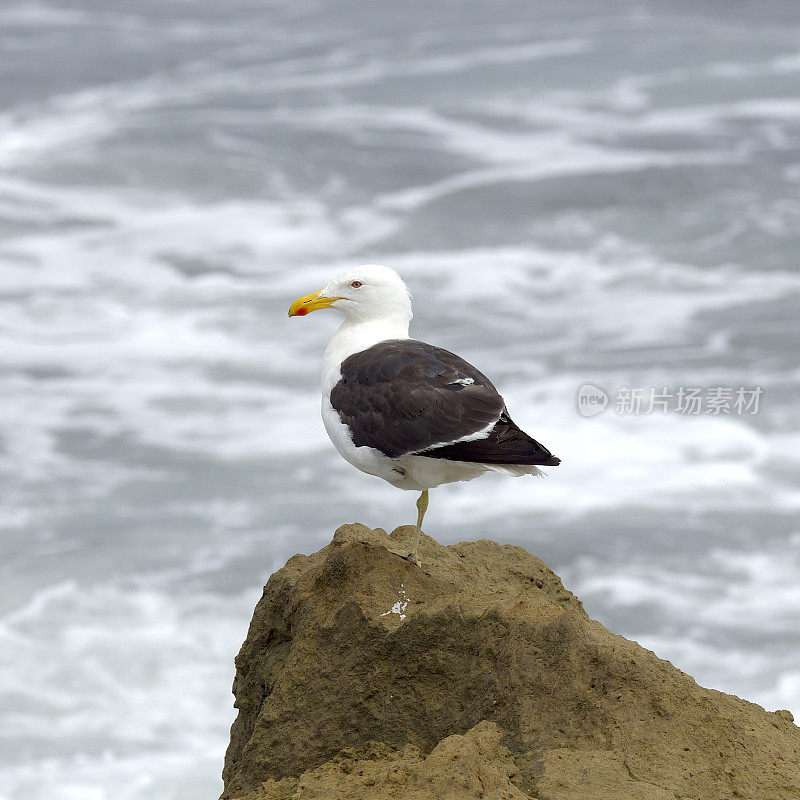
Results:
<point x="410" y="413"/>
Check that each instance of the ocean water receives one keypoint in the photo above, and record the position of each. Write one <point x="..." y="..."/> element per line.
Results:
<point x="606" y="193"/>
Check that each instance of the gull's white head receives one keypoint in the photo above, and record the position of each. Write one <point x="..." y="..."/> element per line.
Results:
<point x="365" y="293"/>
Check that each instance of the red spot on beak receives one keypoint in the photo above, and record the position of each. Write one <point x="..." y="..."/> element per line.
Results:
<point x="301" y="312"/>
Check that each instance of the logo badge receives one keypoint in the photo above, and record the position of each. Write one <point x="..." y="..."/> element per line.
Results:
<point x="591" y="400"/>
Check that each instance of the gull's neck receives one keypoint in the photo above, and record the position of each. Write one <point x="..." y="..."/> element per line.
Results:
<point x="355" y="336"/>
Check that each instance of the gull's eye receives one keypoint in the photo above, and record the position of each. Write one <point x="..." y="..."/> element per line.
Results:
<point x="356" y="284"/>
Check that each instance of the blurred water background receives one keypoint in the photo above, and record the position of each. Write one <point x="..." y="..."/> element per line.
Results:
<point x="603" y="192"/>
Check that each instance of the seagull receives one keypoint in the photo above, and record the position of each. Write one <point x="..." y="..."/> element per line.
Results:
<point x="413" y="414"/>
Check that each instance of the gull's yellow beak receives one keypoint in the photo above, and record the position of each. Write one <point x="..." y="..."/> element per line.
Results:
<point x="310" y="302"/>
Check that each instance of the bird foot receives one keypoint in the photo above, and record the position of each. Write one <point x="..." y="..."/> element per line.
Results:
<point x="407" y="555"/>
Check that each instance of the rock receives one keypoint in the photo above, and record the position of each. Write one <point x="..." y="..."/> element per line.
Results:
<point x="475" y="765"/>
<point x="478" y="675"/>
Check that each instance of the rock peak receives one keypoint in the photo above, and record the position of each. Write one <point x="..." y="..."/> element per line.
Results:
<point x="482" y="669"/>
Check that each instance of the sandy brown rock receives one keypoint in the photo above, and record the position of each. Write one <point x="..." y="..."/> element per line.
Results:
<point x="354" y="648"/>
<point x="475" y="765"/>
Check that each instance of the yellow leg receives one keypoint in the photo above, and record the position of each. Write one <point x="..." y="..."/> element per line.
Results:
<point x="411" y="555"/>
<point x="422" y="507"/>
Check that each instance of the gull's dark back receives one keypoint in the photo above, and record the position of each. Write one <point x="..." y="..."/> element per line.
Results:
<point x="403" y="396"/>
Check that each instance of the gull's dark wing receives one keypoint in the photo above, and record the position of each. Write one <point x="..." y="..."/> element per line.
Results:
<point x="405" y="397"/>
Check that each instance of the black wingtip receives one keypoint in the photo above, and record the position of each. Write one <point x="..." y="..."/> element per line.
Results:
<point x="553" y="462"/>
